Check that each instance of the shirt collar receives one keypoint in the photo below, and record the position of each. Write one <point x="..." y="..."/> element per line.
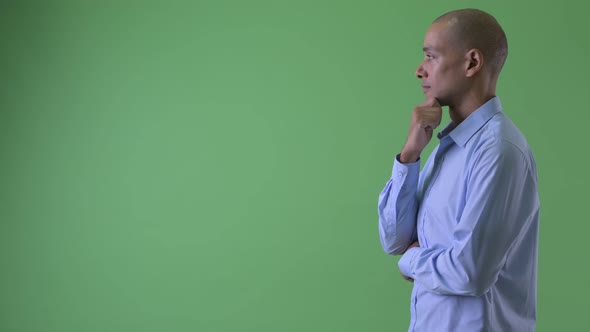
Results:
<point x="462" y="133"/>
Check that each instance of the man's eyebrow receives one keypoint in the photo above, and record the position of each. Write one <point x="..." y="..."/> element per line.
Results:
<point x="427" y="49"/>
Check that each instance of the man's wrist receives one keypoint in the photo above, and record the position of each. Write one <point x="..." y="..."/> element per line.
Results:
<point x="407" y="157"/>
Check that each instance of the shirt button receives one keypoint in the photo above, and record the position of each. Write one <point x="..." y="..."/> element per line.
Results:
<point x="401" y="174"/>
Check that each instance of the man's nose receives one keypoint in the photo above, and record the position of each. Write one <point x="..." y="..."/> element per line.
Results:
<point x="420" y="73"/>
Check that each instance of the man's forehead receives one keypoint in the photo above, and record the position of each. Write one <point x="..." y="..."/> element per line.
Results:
<point x="436" y="36"/>
<point x="439" y="28"/>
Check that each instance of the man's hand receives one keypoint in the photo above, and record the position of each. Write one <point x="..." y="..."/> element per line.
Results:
<point x="425" y="118"/>
<point x="414" y="244"/>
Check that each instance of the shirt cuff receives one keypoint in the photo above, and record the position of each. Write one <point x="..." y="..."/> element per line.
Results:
<point x="405" y="262"/>
<point x="400" y="171"/>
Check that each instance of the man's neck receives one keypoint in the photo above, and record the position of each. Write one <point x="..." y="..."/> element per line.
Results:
<point x="469" y="104"/>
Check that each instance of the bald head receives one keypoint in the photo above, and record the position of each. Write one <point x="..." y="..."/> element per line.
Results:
<point x="473" y="28"/>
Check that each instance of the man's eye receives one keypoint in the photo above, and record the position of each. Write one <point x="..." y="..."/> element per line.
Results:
<point x="428" y="56"/>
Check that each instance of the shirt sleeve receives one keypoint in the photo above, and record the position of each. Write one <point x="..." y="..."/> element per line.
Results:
<point x="501" y="201"/>
<point x="398" y="208"/>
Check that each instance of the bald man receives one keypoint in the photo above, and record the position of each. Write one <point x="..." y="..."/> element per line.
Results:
<point x="467" y="224"/>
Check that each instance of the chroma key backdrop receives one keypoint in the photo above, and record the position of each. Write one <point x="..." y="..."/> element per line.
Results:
<point x="215" y="165"/>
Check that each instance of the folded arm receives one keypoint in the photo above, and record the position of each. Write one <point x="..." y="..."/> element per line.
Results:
<point x="501" y="200"/>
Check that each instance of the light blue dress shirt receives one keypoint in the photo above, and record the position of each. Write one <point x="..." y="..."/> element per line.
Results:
<point x="474" y="209"/>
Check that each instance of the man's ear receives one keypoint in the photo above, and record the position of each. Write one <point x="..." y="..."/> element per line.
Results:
<point x="474" y="62"/>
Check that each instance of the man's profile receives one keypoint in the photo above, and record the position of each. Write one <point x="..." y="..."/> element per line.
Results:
<point x="467" y="224"/>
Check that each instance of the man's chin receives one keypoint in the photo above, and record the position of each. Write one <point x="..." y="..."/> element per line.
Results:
<point x="441" y="101"/>
<point x="428" y="93"/>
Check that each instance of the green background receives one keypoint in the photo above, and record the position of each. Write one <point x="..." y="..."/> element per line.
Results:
<point x="215" y="165"/>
